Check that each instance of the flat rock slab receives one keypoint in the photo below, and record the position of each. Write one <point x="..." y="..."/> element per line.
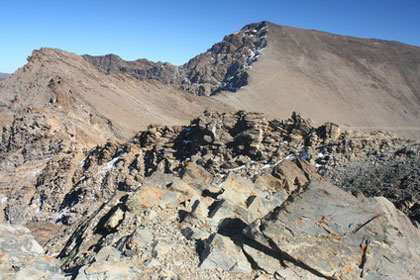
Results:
<point x="337" y="236"/>
<point x="21" y="257"/>
<point x="222" y="253"/>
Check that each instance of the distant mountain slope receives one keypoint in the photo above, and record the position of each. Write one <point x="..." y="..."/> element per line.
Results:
<point x="366" y="84"/>
<point x="363" y="83"/>
<point x="223" y="67"/>
<point x="3" y="76"/>
<point x="102" y="106"/>
<point x="140" y="69"/>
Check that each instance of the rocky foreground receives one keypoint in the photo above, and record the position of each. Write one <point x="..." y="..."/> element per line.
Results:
<point x="231" y="196"/>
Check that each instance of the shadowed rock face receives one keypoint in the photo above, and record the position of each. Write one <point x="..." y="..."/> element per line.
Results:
<point x="223" y="67"/>
<point x="140" y="69"/>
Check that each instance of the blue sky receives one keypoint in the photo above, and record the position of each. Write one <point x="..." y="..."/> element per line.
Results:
<point x="177" y="30"/>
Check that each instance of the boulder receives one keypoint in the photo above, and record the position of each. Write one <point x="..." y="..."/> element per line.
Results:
<point x="294" y="176"/>
<point x="330" y="131"/>
<point x="21" y="257"/>
<point x="108" y="264"/>
<point x="221" y="253"/>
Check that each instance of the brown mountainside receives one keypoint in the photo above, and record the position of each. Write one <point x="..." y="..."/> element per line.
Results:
<point x="364" y="84"/>
<point x="58" y="106"/>
<point x="101" y="105"/>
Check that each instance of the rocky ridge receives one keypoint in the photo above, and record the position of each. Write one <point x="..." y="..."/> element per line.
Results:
<point x="55" y="109"/>
<point x="140" y="69"/>
<point x="231" y="195"/>
<point x="226" y="195"/>
<point x="63" y="84"/>
<point x="223" y="67"/>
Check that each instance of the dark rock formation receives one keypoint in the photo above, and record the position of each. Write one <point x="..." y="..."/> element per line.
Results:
<point x="223" y="67"/>
<point x="140" y="69"/>
<point x="289" y="227"/>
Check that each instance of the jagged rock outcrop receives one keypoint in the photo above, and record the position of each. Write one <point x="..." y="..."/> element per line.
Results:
<point x="172" y="199"/>
<point x="333" y="235"/>
<point x="223" y="67"/>
<point x="266" y="226"/>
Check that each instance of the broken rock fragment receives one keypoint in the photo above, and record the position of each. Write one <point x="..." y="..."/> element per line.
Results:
<point x="221" y="253"/>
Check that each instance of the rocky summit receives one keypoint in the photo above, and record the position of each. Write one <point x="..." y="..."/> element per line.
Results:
<point x="229" y="196"/>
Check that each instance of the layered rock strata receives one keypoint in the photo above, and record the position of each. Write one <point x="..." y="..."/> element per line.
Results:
<point x="230" y="196"/>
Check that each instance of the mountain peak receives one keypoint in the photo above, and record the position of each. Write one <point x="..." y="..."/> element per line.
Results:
<point x="280" y="68"/>
<point x="51" y="55"/>
<point x="322" y="75"/>
<point x="223" y="67"/>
